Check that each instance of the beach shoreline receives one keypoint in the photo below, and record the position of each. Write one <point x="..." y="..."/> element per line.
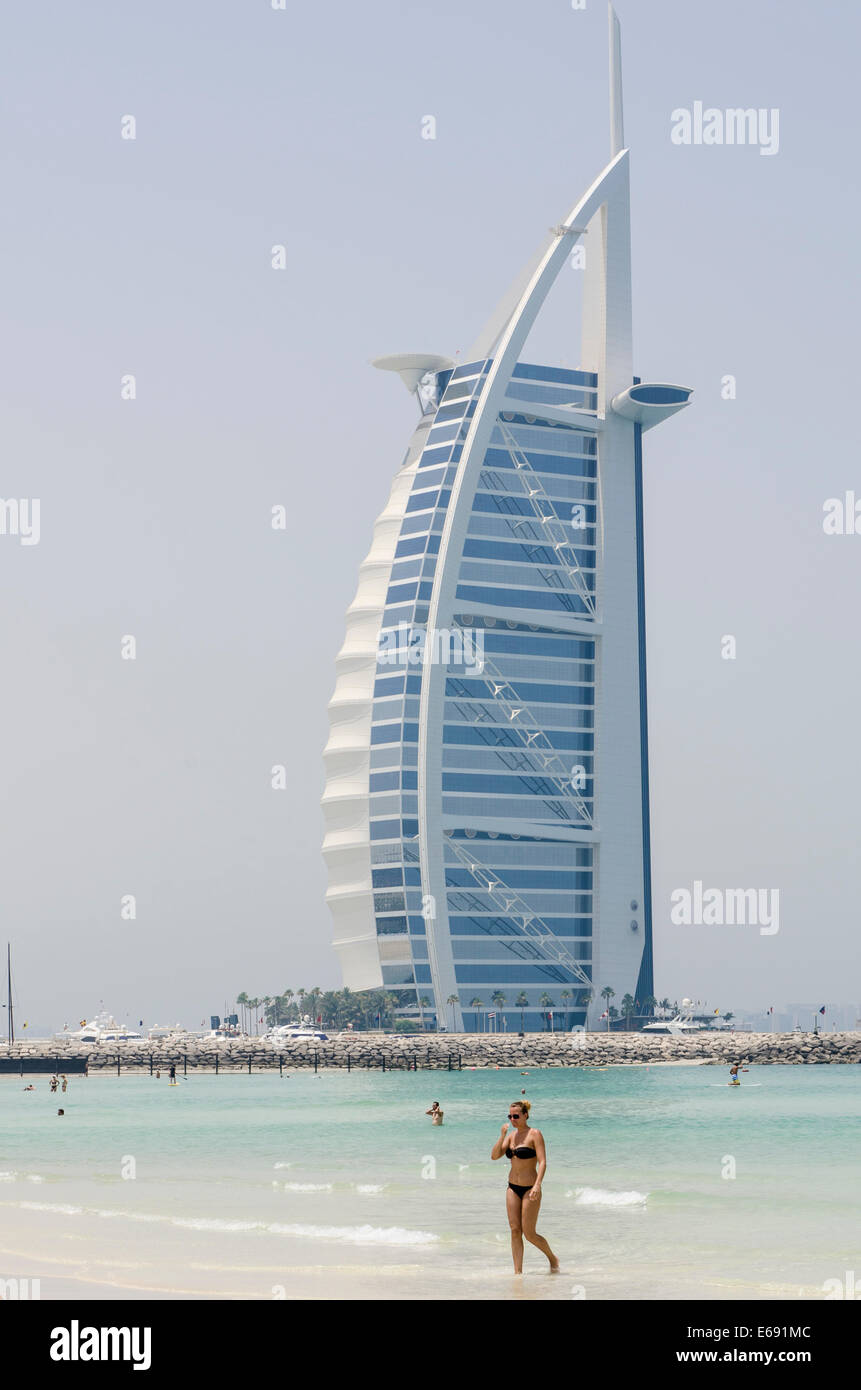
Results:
<point x="199" y="1191"/>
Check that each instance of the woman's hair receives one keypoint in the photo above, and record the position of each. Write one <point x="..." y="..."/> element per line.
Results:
<point x="523" y="1105"/>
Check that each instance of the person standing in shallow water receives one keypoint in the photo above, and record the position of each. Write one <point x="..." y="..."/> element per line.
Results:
<point x="524" y="1147"/>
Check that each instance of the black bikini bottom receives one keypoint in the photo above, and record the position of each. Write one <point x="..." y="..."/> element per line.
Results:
<point x="521" y="1191"/>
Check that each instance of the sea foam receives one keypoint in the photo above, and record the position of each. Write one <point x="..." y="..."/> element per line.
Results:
<point x="359" y="1235"/>
<point x="62" y="1208"/>
<point x="597" y="1197"/>
<point x="214" y="1223"/>
<point x="349" y="1235"/>
<point x="306" y="1187"/>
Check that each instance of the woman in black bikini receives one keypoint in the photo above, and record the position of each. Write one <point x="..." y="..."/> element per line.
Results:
<point x="525" y="1148"/>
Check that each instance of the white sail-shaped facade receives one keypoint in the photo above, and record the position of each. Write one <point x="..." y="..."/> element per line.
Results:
<point x="486" y="803"/>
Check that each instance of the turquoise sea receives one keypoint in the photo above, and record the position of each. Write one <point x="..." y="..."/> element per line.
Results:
<point x="337" y="1186"/>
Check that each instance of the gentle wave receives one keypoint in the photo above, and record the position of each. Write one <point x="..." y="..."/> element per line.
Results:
<point x="372" y="1187"/>
<point x="350" y="1235"/>
<point x="282" y="1165"/>
<point x="597" y="1197"/>
<point x="306" y="1187"/>
<point x="8" y="1177"/>
<point x="128" y="1215"/>
<point x="360" y="1235"/>
<point x="64" y="1208"/>
<point x="214" y="1223"/>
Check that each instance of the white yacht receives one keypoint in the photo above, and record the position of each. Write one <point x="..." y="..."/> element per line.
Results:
<point x="680" y="1024"/>
<point x="102" y="1028"/>
<point x="684" y="1021"/>
<point x="295" y="1032"/>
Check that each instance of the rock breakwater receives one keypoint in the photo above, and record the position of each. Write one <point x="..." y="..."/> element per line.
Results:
<point x="443" y="1051"/>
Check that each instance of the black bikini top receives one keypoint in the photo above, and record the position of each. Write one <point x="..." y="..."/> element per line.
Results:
<point x="524" y="1151"/>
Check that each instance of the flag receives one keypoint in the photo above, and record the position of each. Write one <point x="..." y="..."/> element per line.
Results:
<point x="769" y="1011"/>
<point x="717" y="1011"/>
<point x="822" y="1010"/>
<point x="605" y="1014"/>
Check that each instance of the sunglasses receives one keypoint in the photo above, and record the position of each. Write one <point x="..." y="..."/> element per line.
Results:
<point x="513" y="1117"/>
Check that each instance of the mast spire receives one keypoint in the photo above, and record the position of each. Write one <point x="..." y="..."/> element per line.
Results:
<point x="617" y="123"/>
<point x="9" y="990"/>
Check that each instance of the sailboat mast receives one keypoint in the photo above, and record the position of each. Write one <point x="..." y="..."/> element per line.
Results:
<point x="9" y="991"/>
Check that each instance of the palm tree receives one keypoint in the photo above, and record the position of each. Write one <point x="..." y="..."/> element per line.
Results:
<point x="565" y="996"/>
<point x="300" y="994"/>
<point x="627" y="1010"/>
<point x="316" y="995"/>
<point x="253" y="1006"/>
<point x="546" y="1003"/>
<point x="607" y="993"/>
<point x="451" y="1002"/>
<point x="649" y="1004"/>
<point x="424" y="1003"/>
<point x="241" y="1001"/>
<point x="477" y="1004"/>
<point x="665" y="1004"/>
<point x="498" y="999"/>
<point x="521" y="1002"/>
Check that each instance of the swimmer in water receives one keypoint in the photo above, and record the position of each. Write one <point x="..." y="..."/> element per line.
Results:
<point x="524" y="1147"/>
<point x="733" y="1074"/>
<point x="435" y="1113"/>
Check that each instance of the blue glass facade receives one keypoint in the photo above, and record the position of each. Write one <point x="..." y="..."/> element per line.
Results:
<point x="509" y="568"/>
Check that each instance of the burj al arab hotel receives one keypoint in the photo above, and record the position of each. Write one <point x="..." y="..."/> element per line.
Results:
<point x="487" y="784"/>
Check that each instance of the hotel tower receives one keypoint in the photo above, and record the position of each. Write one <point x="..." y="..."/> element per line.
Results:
<point x="487" y="782"/>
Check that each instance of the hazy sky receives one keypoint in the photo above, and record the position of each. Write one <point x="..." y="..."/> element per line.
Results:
<point x="303" y="127"/>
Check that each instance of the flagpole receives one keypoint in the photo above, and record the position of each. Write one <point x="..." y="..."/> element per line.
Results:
<point x="9" y="992"/>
